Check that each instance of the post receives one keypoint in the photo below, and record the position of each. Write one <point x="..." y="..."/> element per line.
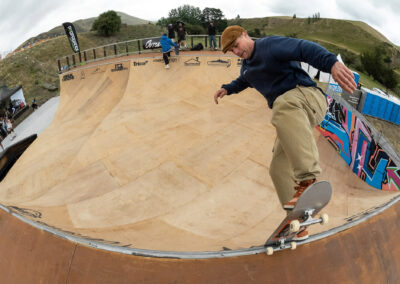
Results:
<point x="73" y="60"/>
<point x="126" y="49"/>
<point x="94" y="53"/>
<point x="105" y="54"/>
<point x="80" y="57"/>
<point x="84" y="56"/>
<point x="115" y="49"/>
<point x="67" y="61"/>
<point x="59" y="65"/>
<point x="138" y="43"/>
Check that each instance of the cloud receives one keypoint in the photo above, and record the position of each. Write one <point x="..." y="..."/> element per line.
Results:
<point x="16" y="19"/>
<point x="22" y="19"/>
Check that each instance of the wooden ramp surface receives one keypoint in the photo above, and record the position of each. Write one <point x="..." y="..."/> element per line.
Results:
<point x="141" y="157"/>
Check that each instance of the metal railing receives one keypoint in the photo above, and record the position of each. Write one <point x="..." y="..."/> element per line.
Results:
<point x="124" y="48"/>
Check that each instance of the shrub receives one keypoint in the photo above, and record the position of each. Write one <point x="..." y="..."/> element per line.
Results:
<point x="107" y="23"/>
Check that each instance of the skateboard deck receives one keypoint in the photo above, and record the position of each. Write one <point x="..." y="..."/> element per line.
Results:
<point x="310" y="203"/>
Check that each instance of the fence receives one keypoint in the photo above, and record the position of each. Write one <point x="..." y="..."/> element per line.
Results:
<point x="125" y="48"/>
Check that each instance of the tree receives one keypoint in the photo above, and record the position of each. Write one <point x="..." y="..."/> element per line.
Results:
<point x="107" y="24"/>
<point x="376" y="64"/>
<point x="255" y="33"/>
<point x="389" y="79"/>
<point x="215" y="15"/>
<point x="196" y="21"/>
<point x="187" y="14"/>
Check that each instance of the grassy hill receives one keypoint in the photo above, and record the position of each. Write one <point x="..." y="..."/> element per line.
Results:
<point x="36" y="66"/>
<point x="82" y="26"/>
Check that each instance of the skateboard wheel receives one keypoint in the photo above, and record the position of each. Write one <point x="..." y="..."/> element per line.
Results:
<point x="270" y="251"/>
<point x="293" y="245"/>
<point x="325" y="219"/>
<point x="294" y="226"/>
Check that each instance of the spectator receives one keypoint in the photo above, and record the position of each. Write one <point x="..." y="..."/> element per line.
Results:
<point x="211" y="35"/>
<point x="34" y="104"/>
<point x="3" y="128"/>
<point x="171" y="32"/>
<point x="10" y="129"/>
<point x="181" y="31"/>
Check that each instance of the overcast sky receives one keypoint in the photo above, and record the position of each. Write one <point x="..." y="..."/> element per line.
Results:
<point x="22" y="19"/>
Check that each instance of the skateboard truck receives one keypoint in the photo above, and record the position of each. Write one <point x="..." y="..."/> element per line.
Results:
<point x="295" y="225"/>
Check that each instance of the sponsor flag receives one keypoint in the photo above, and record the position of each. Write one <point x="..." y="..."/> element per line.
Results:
<point x="72" y="36"/>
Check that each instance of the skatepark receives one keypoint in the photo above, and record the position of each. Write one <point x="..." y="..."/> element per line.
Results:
<point x="140" y="174"/>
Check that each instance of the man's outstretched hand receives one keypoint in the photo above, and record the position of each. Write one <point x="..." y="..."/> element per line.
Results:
<point x="220" y="94"/>
<point x="344" y="77"/>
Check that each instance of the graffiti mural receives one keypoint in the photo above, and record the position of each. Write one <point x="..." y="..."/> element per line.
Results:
<point x="353" y="140"/>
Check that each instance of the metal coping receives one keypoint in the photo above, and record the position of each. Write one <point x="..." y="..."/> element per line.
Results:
<point x="352" y="221"/>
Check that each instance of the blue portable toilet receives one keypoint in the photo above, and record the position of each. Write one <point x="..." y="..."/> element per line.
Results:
<point x="388" y="111"/>
<point x="367" y="104"/>
<point x="356" y="77"/>
<point x="382" y="105"/>
<point x="394" y="113"/>
<point x="398" y="118"/>
<point x="374" y="105"/>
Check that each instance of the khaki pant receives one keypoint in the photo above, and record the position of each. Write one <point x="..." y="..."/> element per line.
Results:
<point x="295" y="153"/>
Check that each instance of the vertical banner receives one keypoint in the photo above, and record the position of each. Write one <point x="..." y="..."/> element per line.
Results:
<point x="72" y="36"/>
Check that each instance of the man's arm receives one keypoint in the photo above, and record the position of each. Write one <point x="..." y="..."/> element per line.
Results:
<point x="220" y="94"/>
<point x="236" y="86"/>
<point x="316" y="55"/>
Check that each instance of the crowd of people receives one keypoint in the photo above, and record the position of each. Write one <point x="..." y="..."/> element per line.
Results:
<point x="179" y="31"/>
<point x="6" y="128"/>
<point x="168" y="40"/>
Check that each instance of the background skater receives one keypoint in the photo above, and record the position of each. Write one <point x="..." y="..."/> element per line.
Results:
<point x="271" y="66"/>
<point x="166" y="46"/>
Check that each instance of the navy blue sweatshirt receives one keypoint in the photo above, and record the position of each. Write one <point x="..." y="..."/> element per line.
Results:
<point x="274" y="68"/>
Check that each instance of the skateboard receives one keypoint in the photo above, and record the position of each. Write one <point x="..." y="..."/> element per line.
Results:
<point x="310" y="203"/>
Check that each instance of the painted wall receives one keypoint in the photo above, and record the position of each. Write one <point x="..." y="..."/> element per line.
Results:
<point x="354" y="142"/>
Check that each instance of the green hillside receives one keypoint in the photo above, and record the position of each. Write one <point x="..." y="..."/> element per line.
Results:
<point x="82" y="26"/>
<point x="36" y="66"/>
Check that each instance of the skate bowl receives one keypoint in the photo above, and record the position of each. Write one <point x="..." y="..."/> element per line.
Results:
<point x="141" y="177"/>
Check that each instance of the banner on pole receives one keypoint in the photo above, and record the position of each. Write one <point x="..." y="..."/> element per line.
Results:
<point x="72" y="36"/>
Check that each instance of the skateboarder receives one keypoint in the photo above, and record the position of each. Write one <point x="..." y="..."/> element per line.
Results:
<point x="166" y="46"/>
<point x="271" y="66"/>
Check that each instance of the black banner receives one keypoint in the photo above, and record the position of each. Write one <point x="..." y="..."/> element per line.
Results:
<point x="151" y="43"/>
<point x="72" y="36"/>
